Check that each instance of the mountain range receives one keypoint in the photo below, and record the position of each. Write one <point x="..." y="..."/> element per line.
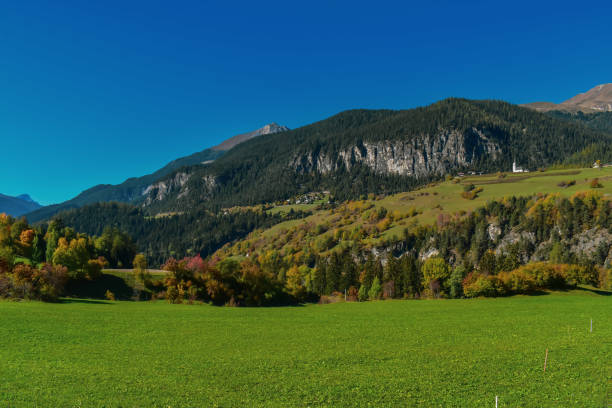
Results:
<point x="398" y="145"/>
<point x="187" y="206"/>
<point x="132" y="189"/>
<point x="352" y="155"/>
<point x="360" y="152"/>
<point x="17" y="206"/>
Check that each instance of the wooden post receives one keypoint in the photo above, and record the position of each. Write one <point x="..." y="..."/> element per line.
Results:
<point x="545" y="360"/>
<point x="496" y="401"/>
<point x="591" y="325"/>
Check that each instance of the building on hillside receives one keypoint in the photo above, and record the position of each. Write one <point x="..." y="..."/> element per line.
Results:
<point x="516" y="169"/>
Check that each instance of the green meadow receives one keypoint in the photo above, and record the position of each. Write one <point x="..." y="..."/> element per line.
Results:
<point x="427" y="353"/>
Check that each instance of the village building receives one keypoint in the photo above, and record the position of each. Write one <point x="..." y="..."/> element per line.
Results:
<point x="516" y="169"/>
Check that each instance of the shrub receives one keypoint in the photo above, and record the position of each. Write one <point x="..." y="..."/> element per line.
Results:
<point x="472" y="194"/>
<point x="566" y="183"/>
<point x="26" y="282"/>
<point x="109" y="295"/>
<point x="468" y="187"/>
<point x="531" y="277"/>
<point x="516" y="282"/>
<point x="352" y="294"/>
<point x="476" y="285"/>
<point x="595" y="183"/>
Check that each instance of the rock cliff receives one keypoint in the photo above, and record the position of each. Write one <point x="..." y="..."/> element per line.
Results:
<point x="421" y="156"/>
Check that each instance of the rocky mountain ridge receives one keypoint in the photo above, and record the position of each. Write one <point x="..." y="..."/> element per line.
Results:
<point x="268" y="129"/>
<point x="597" y="99"/>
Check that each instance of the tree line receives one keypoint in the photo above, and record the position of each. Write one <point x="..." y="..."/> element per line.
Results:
<point x="37" y="261"/>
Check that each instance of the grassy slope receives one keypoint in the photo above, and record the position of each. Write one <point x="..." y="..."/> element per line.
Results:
<point x="445" y="198"/>
<point x="393" y="353"/>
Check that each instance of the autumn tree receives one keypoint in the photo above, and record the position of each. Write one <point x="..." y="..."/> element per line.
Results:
<point x="435" y="272"/>
<point x="141" y="268"/>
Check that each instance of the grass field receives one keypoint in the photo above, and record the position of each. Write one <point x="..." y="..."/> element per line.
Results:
<point x="446" y="353"/>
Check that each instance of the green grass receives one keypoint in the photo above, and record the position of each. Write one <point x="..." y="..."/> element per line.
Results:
<point x="447" y="353"/>
<point x="285" y="209"/>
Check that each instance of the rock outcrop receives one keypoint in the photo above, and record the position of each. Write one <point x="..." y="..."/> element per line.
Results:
<point x="160" y="190"/>
<point x="421" y="156"/>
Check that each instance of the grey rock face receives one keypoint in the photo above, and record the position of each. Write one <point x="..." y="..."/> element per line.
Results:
<point x="589" y="241"/>
<point x="421" y="156"/>
<point x="512" y="238"/>
<point x="160" y="190"/>
<point x="494" y="232"/>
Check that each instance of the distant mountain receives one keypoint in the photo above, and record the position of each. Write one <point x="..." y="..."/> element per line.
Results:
<point x="598" y="99"/>
<point x="236" y="140"/>
<point x="132" y="189"/>
<point x="17" y="206"/>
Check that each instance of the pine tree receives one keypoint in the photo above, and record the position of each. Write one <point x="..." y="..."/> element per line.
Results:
<point x="375" y="291"/>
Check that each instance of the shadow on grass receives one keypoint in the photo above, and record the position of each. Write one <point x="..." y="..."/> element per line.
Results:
<point x="86" y="301"/>
<point x="96" y="289"/>
<point x="595" y="291"/>
<point x="540" y="292"/>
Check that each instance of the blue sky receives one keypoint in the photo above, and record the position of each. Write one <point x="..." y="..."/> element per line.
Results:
<point x="95" y="92"/>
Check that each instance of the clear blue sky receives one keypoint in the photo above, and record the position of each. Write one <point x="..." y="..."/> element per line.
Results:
<point x="95" y="92"/>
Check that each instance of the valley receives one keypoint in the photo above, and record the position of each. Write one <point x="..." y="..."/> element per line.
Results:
<point x="322" y="204"/>
<point x="438" y="254"/>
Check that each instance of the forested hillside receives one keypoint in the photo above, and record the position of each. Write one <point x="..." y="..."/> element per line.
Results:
<point x="513" y="245"/>
<point x="601" y="121"/>
<point x="360" y="152"/>
<point x="173" y="235"/>
<point x="600" y="150"/>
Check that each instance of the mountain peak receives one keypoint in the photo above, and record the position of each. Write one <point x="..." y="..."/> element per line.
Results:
<point x="268" y="129"/>
<point x="25" y="197"/>
<point x="597" y="99"/>
<point x="17" y="206"/>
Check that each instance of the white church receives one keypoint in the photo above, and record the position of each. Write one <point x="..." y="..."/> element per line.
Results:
<point x="516" y="169"/>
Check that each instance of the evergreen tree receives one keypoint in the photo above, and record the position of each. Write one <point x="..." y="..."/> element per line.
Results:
<point x="375" y="291"/>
